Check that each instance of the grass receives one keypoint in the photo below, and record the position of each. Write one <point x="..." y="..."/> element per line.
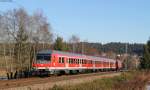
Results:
<point x="3" y="66"/>
<point x="135" y="80"/>
<point x="6" y="65"/>
<point x="2" y="73"/>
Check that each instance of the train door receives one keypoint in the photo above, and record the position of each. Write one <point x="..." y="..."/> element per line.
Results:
<point x="93" y="63"/>
<point x="80" y="63"/>
<point x="54" y="60"/>
<point x="67" y="62"/>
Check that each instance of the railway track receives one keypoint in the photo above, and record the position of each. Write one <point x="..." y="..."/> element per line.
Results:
<point x="53" y="79"/>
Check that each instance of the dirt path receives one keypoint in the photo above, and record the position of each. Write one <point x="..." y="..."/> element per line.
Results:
<point x="45" y="83"/>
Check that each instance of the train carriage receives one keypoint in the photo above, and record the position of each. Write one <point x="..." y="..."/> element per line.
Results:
<point x="56" y="61"/>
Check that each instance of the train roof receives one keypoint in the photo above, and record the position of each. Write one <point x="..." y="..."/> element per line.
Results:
<point x="74" y="54"/>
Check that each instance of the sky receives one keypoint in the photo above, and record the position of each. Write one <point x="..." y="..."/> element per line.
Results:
<point x="92" y="20"/>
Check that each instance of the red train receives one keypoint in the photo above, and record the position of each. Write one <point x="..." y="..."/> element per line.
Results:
<point x="57" y="61"/>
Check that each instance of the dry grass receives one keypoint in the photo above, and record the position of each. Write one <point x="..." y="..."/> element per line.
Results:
<point x="2" y="73"/>
<point x="135" y="80"/>
<point x="62" y="81"/>
<point x="5" y="65"/>
<point x="126" y="81"/>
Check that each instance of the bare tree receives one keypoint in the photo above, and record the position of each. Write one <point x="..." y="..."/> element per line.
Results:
<point x="74" y="40"/>
<point x="25" y="32"/>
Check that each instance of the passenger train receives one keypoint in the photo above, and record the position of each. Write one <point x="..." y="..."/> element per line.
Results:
<point x="53" y="62"/>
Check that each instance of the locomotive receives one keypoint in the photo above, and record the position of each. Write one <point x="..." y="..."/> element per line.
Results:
<point x="53" y="62"/>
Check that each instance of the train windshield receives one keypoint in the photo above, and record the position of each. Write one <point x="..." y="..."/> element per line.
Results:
<point x="43" y="58"/>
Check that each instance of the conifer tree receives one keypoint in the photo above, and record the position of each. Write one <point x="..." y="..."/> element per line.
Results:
<point x="145" y="61"/>
<point x="59" y="45"/>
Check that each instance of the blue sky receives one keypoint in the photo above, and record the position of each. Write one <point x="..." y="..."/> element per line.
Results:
<point x="93" y="20"/>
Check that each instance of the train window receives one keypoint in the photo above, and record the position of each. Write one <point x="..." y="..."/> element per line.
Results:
<point x="71" y="60"/>
<point x="62" y="61"/>
<point x="79" y="61"/>
<point x="47" y="58"/>
<point x="39" y="57"/>
<point x="82" y="61"/>
<point x="43" y="58"/>
<point x="59" y="59"/>
<point x="76" y="61"/>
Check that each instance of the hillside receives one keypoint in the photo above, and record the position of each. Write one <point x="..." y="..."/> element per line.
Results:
<point x="117" y="47"/>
